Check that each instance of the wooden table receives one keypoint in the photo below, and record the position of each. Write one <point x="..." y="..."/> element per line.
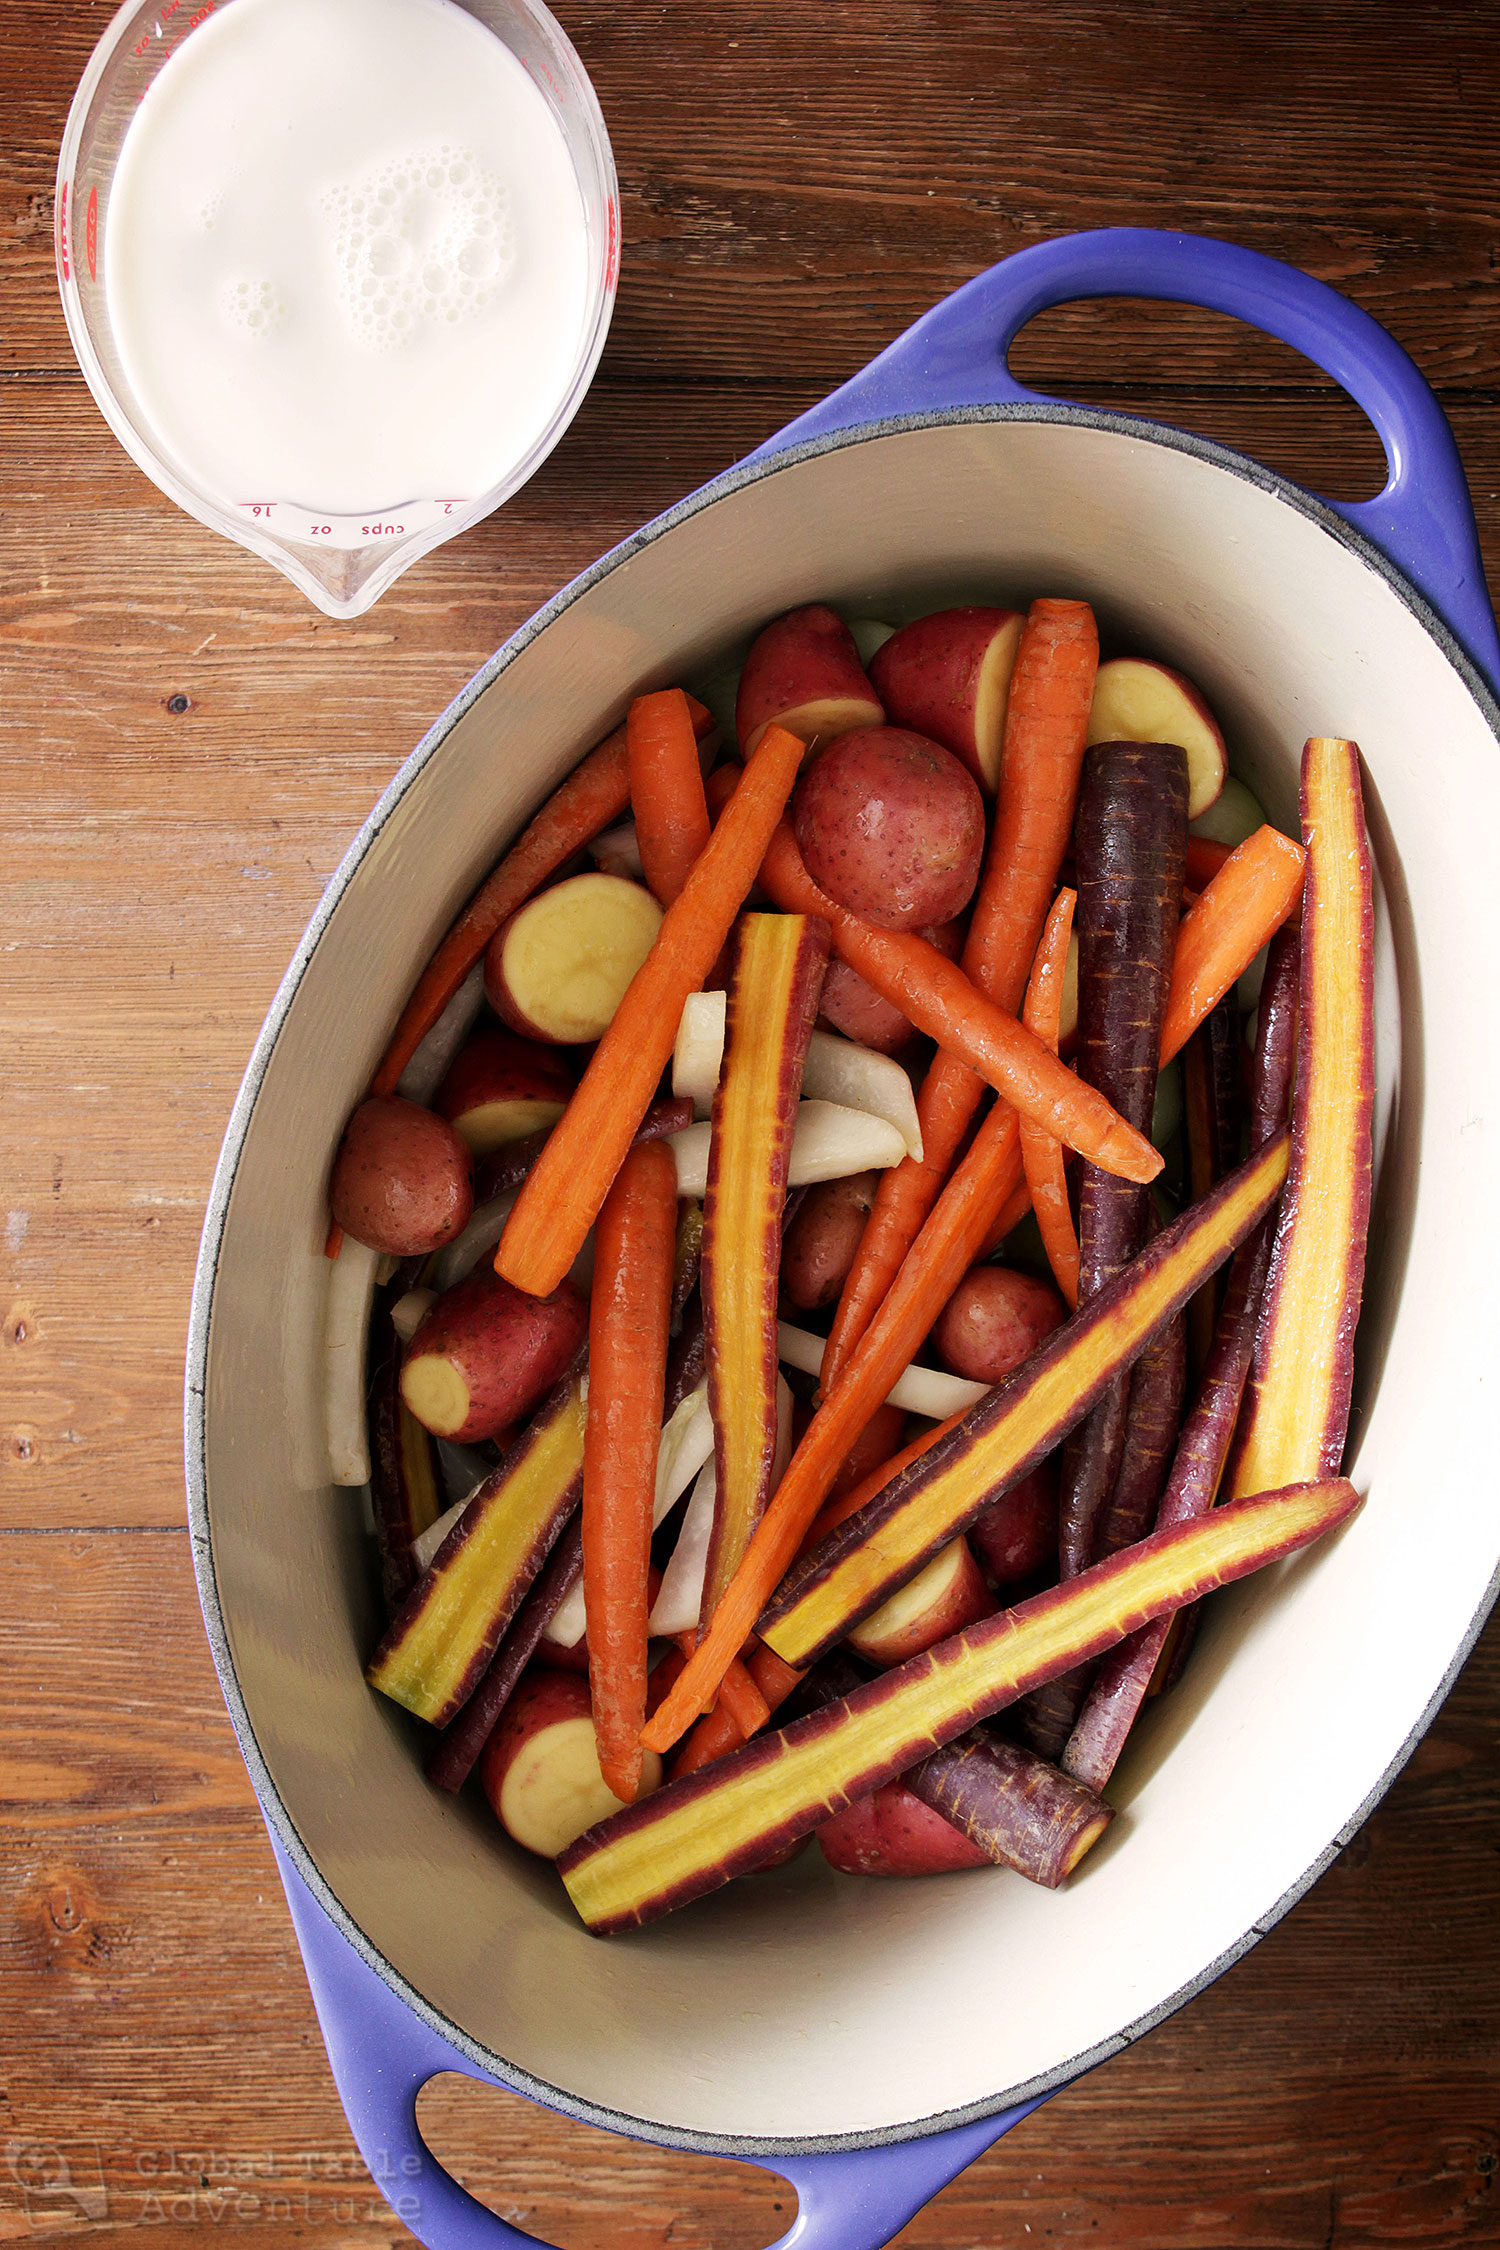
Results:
<point x="188" y="747"/>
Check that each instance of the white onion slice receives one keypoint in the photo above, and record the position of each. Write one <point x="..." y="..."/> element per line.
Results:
<point x="464" y="1252"/>
<point x="409" y="1312"/>
<point x="837" y="1070"/>
<point x="917" y="1390"/>
<point x="429" y="1065"/>
<point x="346" y="1335"/>
<point x="699" y="1052"/>
<point x="828" y="1143"/>
<point x="840" y="1070"/>
<point x="687" y="1441"/>
<point x="679" y="1599"/>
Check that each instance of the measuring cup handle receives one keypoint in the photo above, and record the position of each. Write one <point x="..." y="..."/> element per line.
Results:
<point x="382" y="2055"/>
<point x="956" y="356"/>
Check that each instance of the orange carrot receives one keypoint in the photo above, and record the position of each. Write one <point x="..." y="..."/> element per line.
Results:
<point x="1041" y="1155"/>
<point x="849" y="1503"/>
<point x="565" y="1187"/>
<point x="1009" y="1219"/>
<point x="1204" y="859"/>
<point x="1046" y="733"/>
<point x="719" y="1731"/>
<point x="939" y="1258"/>
<point x="666" y="789"/>
<point x="935" y="995"/>
<point x="739" y="1696"/>
<point x="596" y="792"/>
<point x="1240" y="911"/>
<point x="630" y="1306"/>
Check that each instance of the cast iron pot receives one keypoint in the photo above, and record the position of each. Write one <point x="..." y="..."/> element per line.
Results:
<point x="866" y="2040"/>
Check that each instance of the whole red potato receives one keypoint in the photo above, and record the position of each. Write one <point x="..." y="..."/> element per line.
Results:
<point x="994" y="1319"/>
<point x="487" y="1353"/>
<point x="891" y="826"/>
<point x="850" y="1004"/>
<point x="402" y="1178"/>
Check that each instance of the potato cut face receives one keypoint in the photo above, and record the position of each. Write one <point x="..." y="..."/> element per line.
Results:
<point x="1136" y="700"/>
<point x="554" y="1789"/>
<point x="569" y="956"/>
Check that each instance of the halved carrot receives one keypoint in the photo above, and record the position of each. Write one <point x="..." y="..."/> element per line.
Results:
<point x="1046" y="732"/>
<point x="1041" y="1155"/>
<point x="935" y="995"/>
<point x="629" y="1308"/>
<point x="666" y="789"/>
<point x="562" y="1194"/>
<point x="595" y="793"/>
<point x="1240" y="911"/>
<point x="939" y="1258"/>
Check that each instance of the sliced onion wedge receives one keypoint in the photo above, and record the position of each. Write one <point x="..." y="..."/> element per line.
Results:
<point x="837" y="1070"/>
<point x="687" y="1442"/>
<point x="680" y="1597"/>
<point x="429" y="1065"/>
<point x="346" y="1335"/>
<point x="828" y="1143"/>
<point x="917" y="1390"/>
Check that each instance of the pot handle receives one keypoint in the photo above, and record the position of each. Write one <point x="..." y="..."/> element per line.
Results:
<point x="956" y="356"/>
<point x="382" y="2055"/>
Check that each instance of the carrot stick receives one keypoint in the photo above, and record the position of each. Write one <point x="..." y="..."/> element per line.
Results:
<point x="629" y="1308"/>
<point x="719" y="1732"/>
<point x="935" y="995"/>
<point x="939" y="1258"/>
<point x="563" y="1192"/>
<point x="595" y="793"/>
<point x="1240" y="911"/>
<point x="1046" y="730"/>
<point x="1041" y="1155"/>
<point x="666" y="789"/>
<point x="1010" y="1218"/>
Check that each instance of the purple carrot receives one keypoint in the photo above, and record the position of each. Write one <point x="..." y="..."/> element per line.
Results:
<point x="456" y="1751"/>
<point x="1157" y="1384"/>
<point x="1131" y="848"/>
<point x="1018" y="1809"/>
<point x="1122" y="1681"/>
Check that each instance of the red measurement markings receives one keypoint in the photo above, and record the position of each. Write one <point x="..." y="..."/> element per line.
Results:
<point x="91" y="234"/>
<point x="62" y="232"/>
<point x="611" y="244"/>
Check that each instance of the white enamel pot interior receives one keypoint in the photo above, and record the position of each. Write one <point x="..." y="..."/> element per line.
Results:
<point x="804" y="2009"/>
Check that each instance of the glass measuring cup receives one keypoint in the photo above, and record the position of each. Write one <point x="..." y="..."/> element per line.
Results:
<point x="342" y="562"/>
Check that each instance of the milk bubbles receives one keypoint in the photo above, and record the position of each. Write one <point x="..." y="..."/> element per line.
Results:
<point x="421" y="238"/>
<point x="346" y="256"/>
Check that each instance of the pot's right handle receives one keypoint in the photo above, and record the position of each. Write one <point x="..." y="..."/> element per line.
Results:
<point x="956" y="356"/>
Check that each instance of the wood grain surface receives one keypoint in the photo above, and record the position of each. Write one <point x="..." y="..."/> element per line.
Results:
<point x="188" y="748"/>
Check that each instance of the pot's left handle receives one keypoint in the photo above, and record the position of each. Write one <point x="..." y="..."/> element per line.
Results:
<point x="382" y="2055"/>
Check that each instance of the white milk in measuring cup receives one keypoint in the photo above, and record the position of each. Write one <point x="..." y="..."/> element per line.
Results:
<point x="347" y="266"/>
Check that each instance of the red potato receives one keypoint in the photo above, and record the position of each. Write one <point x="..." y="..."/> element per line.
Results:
<point x="944" y="1597"/>
<point x="851" y="1005"/>
<point x="540" y="1767"/>
<point x="401" y="1179"/>
<point x="948" y="675"/>
<point x="487" y="1352"/>
<point x="894" y="1833"/>
<point x="1138" y="701"/>
<point x="879" y="1439"/>
<point x="1016" y="1537"/>
<point x="995" y="1318"/>
<point x="818" y="1247"/>
<point x="803" y="673"/>
<point x="501" y="1089"/>
<point x="559" y="968"/>
<point x="891" y="826"/>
